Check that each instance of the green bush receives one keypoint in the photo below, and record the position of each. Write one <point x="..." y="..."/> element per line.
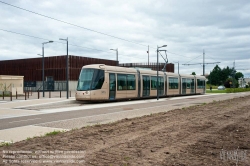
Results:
<point x="234" y="90"/>
<point x="213" y="86"/>
<point x="216" y="91"/>
<point x="55" y="132"/>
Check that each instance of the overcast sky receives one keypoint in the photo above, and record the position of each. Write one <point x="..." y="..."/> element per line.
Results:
<point x="220" y="27"/>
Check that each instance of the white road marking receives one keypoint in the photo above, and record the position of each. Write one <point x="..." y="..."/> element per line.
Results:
<point x="166" y="105"/>
<point x="16" y="109"/>
<point x="45" y="103"/>
<point x="84" y="107"/>
<point x="114" y="109"/>
<point x="186" y="97"/>
<point x="24" y="120"/>
<point x="17" y="101"/>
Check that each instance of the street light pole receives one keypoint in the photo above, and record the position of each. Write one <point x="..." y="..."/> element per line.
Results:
<point x="157" y="89"/>
<point x="203" y="63"/>
<point x="116" y="55"/>
<point x="157" y="84"/>
<point x="43" y="62"/>
<point x="67" y="68"/>
<point x="178" y="66"/>
<point x="148" y="56"/>
<point x="43" y="69"/>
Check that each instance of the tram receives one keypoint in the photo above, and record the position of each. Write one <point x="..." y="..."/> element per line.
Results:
<point x="99" y="82"/>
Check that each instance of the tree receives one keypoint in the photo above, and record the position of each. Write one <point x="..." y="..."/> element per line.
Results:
<point x="219" y="76"/>
<point x="230" y="82"/>
<point x="225" y="73"/>
<point x="239" y="75"/>
<point x="193" y="73"/>
<point x="214" y="76"/>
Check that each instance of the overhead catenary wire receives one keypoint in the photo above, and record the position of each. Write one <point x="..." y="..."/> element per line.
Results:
<point x="80" y="26"/>
<point x="70" y="23"/>
<point x="40" y="38"/>
<point x="177" y="54"/>
<point x="211" y="57"/>
<point x="53" y="41"/>
<point x="192" y="59"/>
<point x="59" y="42"/>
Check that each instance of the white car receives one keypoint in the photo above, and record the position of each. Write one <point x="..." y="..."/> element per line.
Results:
<point x="221" y="87"/>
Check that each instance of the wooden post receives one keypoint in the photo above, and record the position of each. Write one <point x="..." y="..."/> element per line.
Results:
<point x="25" y="95"/>
<point x="60" y="94"/>
<point x="16" y="94"/>
<point x="3" y="95"/>
<point x="38" y="94"/>
<point x="70" y="93"/>
<point x="28" y="94"/>
<point x="10" y="96"/>
<point x="49" y="94"/>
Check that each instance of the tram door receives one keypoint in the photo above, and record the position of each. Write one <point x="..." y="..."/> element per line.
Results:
<point x="146" y="86"/>
<point x="112" y="86"/>
<point x="192" y="86"/>
<point x="139" y="83"/>
<point x="184" y="85"/>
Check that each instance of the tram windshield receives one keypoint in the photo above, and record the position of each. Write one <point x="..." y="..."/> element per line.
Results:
<point x="90" y="79"/>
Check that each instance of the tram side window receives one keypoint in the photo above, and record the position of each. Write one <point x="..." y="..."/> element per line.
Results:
<point x="173" y="83"/>
<point x="146" y="83"/>
<point x="131" y="82"/>
<point x="200" y="84"/>
<point x="161" y="83"/>
<point x="125" y="82"/>
<point x="192" y="84"/>
<point x="154" y="83"/>
<point x="188" y="83"/>
<point x="121" y="82"/>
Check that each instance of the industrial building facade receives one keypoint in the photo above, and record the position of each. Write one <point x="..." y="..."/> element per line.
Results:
<point x="55" y="70"/>
<point x="54" y="66"/>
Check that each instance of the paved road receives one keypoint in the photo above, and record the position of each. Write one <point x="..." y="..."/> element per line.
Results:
<point x="86" y="110"/>
<point x="68" y="114"/>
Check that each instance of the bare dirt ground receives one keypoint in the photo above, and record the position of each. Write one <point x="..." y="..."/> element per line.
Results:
<point x="217" y="133"/>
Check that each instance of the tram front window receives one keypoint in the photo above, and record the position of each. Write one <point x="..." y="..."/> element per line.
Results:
<point x="90" y="79"/>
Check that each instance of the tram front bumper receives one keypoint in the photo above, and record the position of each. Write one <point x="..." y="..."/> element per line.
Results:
<point x="82" y="95"/>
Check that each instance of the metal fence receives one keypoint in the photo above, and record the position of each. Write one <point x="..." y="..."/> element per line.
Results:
<point x="29" y="95"/>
